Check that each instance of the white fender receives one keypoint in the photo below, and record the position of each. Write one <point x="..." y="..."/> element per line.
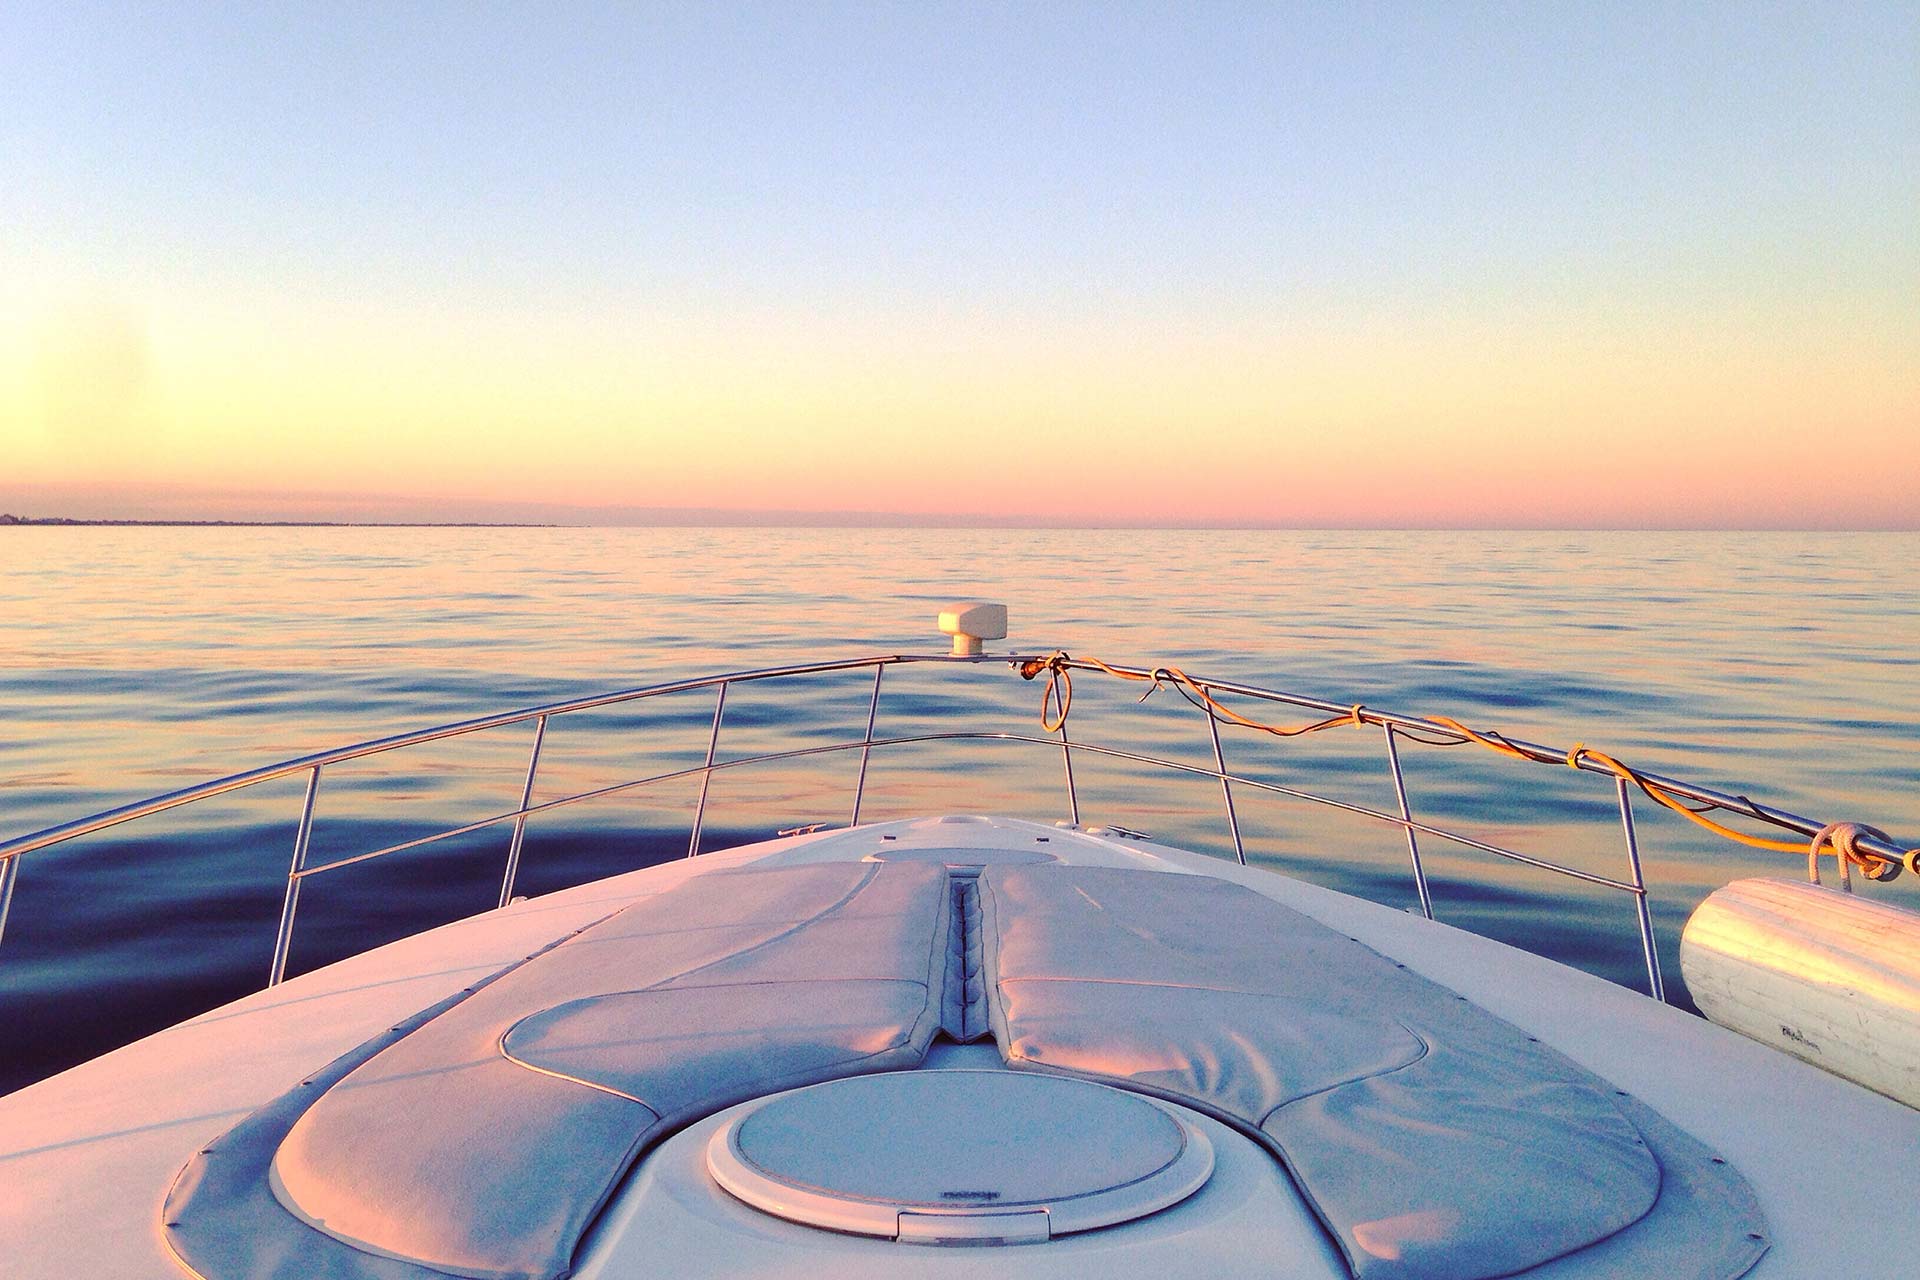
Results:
<point x="1829" y="977"/>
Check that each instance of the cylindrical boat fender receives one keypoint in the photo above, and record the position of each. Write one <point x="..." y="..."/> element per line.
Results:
<point x="1829" y="977"/>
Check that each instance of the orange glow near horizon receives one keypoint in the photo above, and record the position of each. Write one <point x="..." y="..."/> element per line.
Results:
<point x="1622" y="418"/>
<point x="1248" y="266"/>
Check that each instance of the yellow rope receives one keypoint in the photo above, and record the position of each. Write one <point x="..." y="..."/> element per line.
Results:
<point x="1059" y="694"/>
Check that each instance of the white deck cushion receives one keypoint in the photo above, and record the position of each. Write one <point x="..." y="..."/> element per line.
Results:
<point x="482" y="1138"/>
<point x="484" y="1142"/>
<point x="1435" y="1141"/>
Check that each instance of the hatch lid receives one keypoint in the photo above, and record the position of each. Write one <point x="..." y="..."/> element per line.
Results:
<point x="959" y="1157"/>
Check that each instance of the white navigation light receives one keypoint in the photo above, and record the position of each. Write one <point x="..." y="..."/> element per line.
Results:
<point x="972" y="621"/>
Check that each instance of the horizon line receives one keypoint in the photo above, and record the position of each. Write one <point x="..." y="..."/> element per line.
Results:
<point x="775" y="519"/>
<point x="159" y="503"/>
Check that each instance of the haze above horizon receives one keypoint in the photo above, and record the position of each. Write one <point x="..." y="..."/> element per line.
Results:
<point x="1425" y="266"/>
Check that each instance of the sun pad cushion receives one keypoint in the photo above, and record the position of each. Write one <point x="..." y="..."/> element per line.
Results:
<point x="1436" y="1141"/>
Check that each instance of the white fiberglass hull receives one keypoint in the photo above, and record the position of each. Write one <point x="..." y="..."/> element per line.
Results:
<point x="87" y="1157"/>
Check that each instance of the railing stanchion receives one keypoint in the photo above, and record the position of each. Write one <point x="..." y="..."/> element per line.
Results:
<point x="283" y="943"/>
<point x="1406" y="821"/>
<point x="1226" y="788"/>
<point x="1649" y="946"/>
<point x="312" y="766"/>
<point x="706" y="778"/>
<point x="866" y="750"/>
<point x="1066" y="757"/>
<point x="520" y="819"/>
<point x="9" y="873"/>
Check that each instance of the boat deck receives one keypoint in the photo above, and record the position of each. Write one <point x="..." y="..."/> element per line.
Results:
<point x="102" y="1144"/>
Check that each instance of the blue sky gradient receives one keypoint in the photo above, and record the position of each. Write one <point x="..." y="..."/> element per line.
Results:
<point x="1370" y="169"/>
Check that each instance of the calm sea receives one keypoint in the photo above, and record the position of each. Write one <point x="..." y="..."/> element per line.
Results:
<point x="135" y="661"/>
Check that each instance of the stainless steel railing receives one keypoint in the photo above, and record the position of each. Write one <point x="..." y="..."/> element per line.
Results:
<point x="13" y="852"/>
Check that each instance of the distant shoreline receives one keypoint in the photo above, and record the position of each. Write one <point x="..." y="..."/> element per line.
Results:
<point x="702" y="518"/>
<point x="69" y="521"/>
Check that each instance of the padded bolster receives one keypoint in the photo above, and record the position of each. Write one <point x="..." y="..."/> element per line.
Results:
<point x="1435" y="1141"/>
<point x="684" y="1051"/>
<point x="485" y="1141"/>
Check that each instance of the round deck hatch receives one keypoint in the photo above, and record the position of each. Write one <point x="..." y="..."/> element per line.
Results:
<point x="959" y="1157"/>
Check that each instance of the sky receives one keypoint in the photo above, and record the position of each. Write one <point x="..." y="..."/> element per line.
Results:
<point x="1491" y="265"/>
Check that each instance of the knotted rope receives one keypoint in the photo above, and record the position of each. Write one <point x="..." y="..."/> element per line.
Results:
<point x="1059" y="693"/>
<point x="1840" y="838"/>
<point x="1844" y="839"/>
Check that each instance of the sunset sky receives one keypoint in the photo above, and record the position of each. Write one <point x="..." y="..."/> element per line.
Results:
<point x="1495" y="265"/>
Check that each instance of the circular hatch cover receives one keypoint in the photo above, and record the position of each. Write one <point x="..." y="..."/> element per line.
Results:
<point x="959" y="1157"/>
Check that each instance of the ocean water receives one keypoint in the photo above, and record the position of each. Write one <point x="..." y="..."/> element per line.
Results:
<point x="134" y="661"/>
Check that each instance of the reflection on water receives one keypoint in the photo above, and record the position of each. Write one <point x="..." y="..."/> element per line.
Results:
<point x="133" y="661"/>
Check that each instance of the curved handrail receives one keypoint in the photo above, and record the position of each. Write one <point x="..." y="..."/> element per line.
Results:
<point x="41" y="839"/>
<point x="376" y="746"/>
<point x="13" y="851"/>
<point x="1740" y="804"/>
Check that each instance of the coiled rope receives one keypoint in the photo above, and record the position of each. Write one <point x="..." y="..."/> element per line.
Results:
<point x="1839" y="838"/>
<point x="1844" y="838"/>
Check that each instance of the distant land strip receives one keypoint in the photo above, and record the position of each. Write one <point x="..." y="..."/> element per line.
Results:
<point x="6" y="519"/>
